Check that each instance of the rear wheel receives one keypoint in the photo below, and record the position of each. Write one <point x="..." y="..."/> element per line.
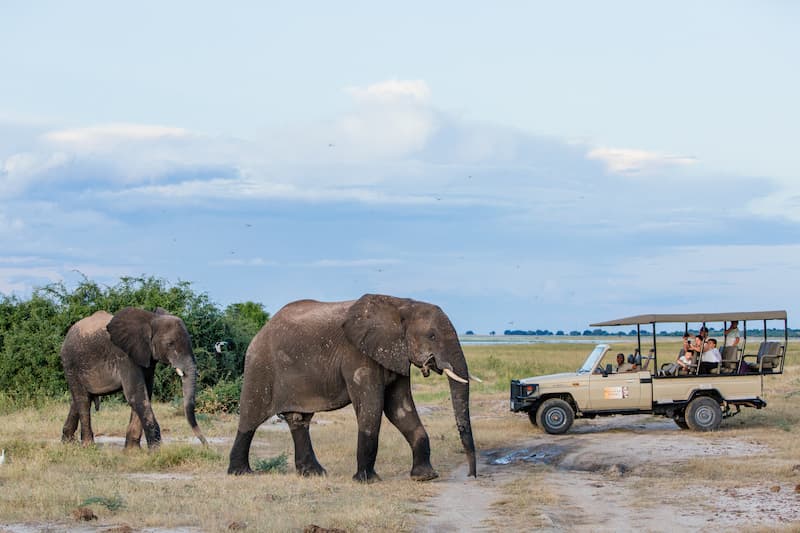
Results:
<point x="555" y="416"/>
<point x="703" y="414"/>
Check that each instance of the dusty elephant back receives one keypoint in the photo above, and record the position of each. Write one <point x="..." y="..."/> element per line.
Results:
<point x="300" y="334"/>
<point x="85" y="333"/>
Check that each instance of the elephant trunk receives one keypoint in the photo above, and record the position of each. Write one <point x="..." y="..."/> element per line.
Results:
<point x="459" y="394"/>
<point x="189" y="384"/>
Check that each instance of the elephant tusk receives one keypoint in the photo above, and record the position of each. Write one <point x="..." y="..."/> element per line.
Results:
<point x="475" y="378"/>
<point x="179" y="371"/>
<point x="455" y="377"/>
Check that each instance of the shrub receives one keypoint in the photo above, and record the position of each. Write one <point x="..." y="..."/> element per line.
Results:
<point x="221" y="398"/>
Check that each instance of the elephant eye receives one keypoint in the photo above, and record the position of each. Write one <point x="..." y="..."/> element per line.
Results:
<point x="432" y="336"/>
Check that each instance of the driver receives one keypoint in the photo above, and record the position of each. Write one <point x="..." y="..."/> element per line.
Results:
<point x="623" y="366"/>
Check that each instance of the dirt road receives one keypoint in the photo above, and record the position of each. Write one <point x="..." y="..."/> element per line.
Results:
<point x="596" y="478"/>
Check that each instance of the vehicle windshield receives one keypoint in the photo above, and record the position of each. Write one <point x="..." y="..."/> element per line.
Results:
<point x="591" y="361"/>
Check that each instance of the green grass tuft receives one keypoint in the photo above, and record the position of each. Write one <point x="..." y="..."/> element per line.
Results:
<point x="174" y="456"/>
<point x="115" y="503"/>
<point x="277" y="464"/>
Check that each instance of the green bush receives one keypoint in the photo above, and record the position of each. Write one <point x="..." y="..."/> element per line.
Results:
<point x="32" y="331"/>
<point x="221" y="398"/>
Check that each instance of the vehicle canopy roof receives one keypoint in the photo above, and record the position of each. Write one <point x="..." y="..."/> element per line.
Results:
<point x="693" y="317"/>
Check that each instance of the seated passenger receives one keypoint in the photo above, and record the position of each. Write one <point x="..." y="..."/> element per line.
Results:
<point x="688" y="339"/>
<point x="711" y="357"/>
<point x="682" y="365"/>
<point x="622" y="365"/>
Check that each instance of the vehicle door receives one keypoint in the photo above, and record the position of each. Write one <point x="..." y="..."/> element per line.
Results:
<point x="616" y="391"/>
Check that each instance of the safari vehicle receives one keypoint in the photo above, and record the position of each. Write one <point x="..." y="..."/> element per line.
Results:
<point x="697" y="399"/>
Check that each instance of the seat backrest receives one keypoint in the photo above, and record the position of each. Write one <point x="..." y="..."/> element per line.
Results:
<point x="770" y="354"/>
<point x="730" y="358"/>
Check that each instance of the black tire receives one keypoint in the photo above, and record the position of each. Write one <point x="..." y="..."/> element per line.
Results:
<point x="680" y="421"/>
<point x="532" y="417"/>
<point x="555" y="416"/>
<point x="703" y="414"/>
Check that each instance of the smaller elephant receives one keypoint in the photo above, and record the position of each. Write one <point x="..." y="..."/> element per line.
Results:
<point x="103" y="354"/>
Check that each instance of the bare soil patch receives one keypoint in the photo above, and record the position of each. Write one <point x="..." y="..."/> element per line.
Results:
<point x="612" y="474"/>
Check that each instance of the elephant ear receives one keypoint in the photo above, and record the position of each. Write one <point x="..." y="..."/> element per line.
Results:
<point x="375" y="325"/>
<point x="132" y="332"/>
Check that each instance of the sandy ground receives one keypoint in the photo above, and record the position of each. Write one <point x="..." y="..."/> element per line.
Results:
<point x="596" y="478"/>
<point x="596" y="474"/>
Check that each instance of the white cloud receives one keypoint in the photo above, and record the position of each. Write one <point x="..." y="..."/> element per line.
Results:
<point x="392" y="91"/>
<point x="104" y="135"/>
<point x="19" y="170"/>
<point x="782" y="204"/>
<point x="248" y="190"/>
<point x="629" y="161"/>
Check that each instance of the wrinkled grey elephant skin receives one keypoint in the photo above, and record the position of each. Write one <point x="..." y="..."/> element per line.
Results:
<point x="103" y="354"/>
<point x="316" y="356"/>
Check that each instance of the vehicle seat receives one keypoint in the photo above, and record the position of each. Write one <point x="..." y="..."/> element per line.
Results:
<point x="769" y="357"/>
<point x="772" y="355"/>
<point x="730" y="360"/>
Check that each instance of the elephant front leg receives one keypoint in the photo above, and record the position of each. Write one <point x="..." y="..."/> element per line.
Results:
<point x="136" y="394"/>
<point x="305" y="461"/>
<point x="369" y="411"/>
<point x="401" y="411"/>
<point x="133" y="437"/>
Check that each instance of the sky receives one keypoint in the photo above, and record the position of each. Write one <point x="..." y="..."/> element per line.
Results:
<point x="523" y="165"/>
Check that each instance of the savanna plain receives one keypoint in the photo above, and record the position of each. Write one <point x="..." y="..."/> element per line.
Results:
<point x="608" y="474"/>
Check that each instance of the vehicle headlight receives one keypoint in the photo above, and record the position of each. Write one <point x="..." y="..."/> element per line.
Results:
<point x="528" y="390"/>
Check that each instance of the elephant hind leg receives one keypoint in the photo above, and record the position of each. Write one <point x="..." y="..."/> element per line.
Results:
<point x="71" y="424"/>
<point x="305" y="461"/>
<point x="85" y="413"/>
<point x="240" y="453"/>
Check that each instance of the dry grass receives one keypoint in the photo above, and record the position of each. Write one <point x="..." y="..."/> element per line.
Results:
<point x="186" y="485"/>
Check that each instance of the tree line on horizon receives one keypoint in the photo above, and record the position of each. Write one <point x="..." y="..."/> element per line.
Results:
<point x="771" y="332"/>
<point x="33" y="329"/>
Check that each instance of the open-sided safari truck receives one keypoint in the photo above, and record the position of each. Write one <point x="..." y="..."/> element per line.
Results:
<point x="698" y="397"/>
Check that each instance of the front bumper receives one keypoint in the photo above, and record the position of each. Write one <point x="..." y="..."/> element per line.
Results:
<point x="523" y="395"/>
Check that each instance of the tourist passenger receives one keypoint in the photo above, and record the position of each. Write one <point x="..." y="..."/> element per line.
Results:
<point x="682" y="365"/>
<point x="732" y="334"/>
<point x="711" y="357"/>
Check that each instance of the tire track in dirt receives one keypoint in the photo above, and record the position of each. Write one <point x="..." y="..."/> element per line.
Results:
<point x="596" y="478"/>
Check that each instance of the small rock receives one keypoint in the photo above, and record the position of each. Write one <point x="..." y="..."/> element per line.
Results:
<point x="83" y="513"/>
<point x="797" y="488"/>
<point x="236" y="525"/>
<point x="618" y="469"/>
<point x="796" y="468"/>
<point x="775" y="488"/>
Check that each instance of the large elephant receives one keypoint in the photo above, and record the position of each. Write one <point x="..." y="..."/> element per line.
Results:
<point x="317" y="356"/>
<point x="103" y="354"/>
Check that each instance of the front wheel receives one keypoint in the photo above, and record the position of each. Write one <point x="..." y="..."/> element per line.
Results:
<point x="703" y="414"/>
<point x="555" y="416"/>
